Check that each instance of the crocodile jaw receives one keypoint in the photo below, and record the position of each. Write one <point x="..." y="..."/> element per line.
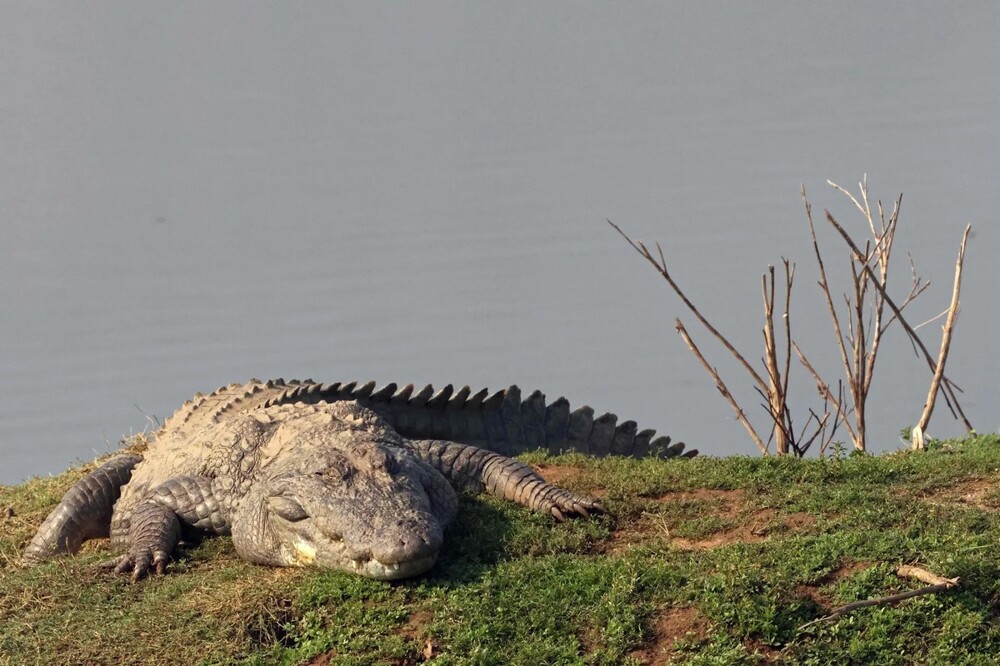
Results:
<point x="305" y="554"/>
<point x="379" y="571"/>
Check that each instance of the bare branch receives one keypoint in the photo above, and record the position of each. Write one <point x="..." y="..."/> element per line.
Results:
<point x="918" y="431"/>
<point x="825" y="286"/>
<point x="820" y="427"/>
<point x="789" y="281"/>
<point x="912" y="296"/>
<point x="933" y="319"/>
<point x="884" y="249"/>
<point x="903" y="571"/>
<point x="825" y="392"/>
<point x="775" y="396"/>
<point x="858" y="334"/>
<point x="862" y="184"/>
<point x="827" y="438"/>
<point x="721" y="386"/>
<point x="661" y="268"/>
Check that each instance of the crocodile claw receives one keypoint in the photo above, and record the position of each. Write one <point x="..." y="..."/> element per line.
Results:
<point x="566" y="504"/>
<point x="140" y="562"/>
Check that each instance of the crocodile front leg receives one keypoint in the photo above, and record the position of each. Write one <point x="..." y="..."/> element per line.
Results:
<point x="473" y="469"/>
<point x="84" y="512"/>
<point x="156" y="522"/>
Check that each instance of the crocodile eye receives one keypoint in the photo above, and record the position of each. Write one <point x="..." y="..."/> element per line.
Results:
<point x="286" y="508"/>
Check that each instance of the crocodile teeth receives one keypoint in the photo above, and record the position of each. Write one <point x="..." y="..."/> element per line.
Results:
<point x="305" y="552"/>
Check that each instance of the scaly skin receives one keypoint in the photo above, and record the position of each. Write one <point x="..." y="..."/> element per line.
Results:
<point x="307" y="474"/>
<point x="85" y="511"/>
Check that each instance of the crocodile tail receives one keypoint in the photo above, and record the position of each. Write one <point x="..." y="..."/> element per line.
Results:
<point x="507" y="424"/>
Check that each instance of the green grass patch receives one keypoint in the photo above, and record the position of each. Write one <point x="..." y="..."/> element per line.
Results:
<point x="704" y="561"/>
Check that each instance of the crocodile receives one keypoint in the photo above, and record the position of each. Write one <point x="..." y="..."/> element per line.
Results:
<point x="340" y="475"/>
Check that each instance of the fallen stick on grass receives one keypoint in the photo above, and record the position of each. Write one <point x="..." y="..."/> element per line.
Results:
<point x="935" y="584"/>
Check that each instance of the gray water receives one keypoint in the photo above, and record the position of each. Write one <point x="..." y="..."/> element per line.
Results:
<point x="193" y="194"/>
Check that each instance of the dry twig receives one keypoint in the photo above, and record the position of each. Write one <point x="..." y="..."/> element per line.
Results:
<point x="917" y="435"/>
<point x="661" y="268"/>
<point x="721" y="386"/>
<point x="936" y="584"/>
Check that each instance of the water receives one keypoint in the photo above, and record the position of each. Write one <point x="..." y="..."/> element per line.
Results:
<point x="195" y="194"/>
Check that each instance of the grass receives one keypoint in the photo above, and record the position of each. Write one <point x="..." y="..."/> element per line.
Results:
<point x="705" y="561"/>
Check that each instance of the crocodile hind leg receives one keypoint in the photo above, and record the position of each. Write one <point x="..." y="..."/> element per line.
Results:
<point x="474" y="469"/>
<point x="84" y="512"/>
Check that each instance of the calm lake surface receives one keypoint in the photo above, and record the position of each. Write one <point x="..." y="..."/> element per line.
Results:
<point x="193" y="194"/>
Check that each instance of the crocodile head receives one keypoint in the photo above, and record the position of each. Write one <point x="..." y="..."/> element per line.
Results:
<point x="370" y="510"/>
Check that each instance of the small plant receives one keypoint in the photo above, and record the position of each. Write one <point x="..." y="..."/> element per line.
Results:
<point x="839" y="451"/>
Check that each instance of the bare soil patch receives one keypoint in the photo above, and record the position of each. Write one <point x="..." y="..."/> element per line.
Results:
<point x="415" y="623"/>
<point x="815" y="592"/>
<point x="324" y="659"/>
<point x="768" y="653"/>
<point x="413" y="631"/>
<point x="673" y="624"/>
<point x="979" y="493"/>
<point x="739" y="523"/>
<point x="569" y="477"/>
<point x="730" y="500"/>
<point x="758" y="526"/>
<point x="846" y="570"/>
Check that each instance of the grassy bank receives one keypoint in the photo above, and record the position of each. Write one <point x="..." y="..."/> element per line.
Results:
<point x="707" y="561"/>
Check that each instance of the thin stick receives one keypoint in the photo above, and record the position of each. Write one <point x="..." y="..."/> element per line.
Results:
<point x="661" y="268"/>
<point x="789" y="281"/>
<point x="824" y="390"/>
<point x="721" y="386"/>
<point x="932" y="319"/>
<point x="820" y="427"/>
<point x="827" y="438"/>
<point x="905" y="571"/>
<point x="884" y="247"/>
<point x="918" y="431"/>
<point x="775" y="395"/>
<point x="825" y="286"/>
<point x="859" y="345"/>
<point x="862" y="186"/>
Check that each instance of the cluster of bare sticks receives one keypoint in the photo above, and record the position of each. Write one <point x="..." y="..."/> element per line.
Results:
<point x="858" y="332"/>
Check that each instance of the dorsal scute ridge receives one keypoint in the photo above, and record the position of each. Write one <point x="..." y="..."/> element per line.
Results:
<point x="440" y="399"/>
<point x="503" y="420"/>
<point x="421" y="398"/>
<point x="363" y="391"/>
<point x="402" y="395"/>
<point x="459" y="398"/>
<point x="384" y="393"/>
<point x="226" y="401"/>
